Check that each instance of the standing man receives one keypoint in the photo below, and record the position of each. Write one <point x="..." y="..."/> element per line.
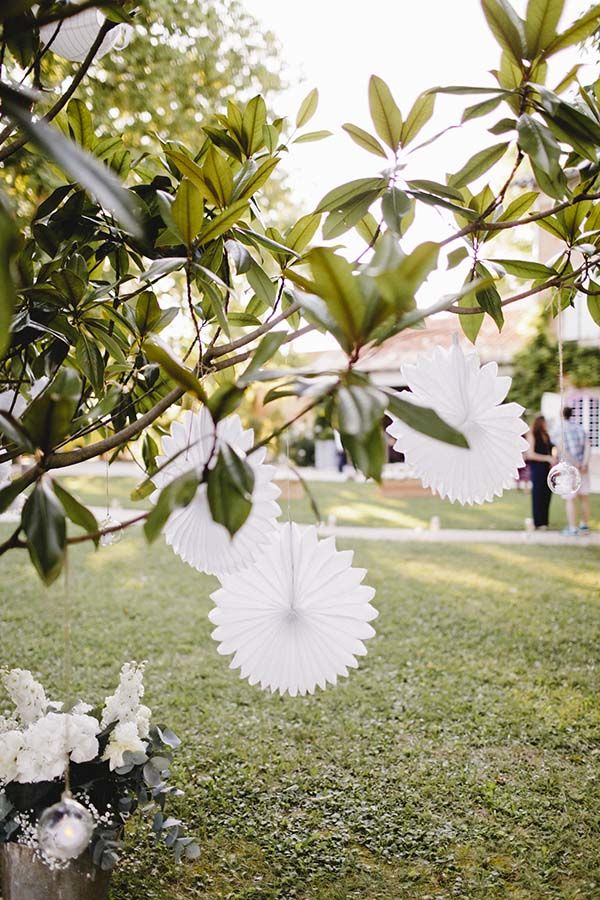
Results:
<point x="577" y="452"/>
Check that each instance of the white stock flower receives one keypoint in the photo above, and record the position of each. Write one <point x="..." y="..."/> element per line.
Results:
<point x="142" y="720"/>
<point x="27" y="694"/>
<point x="10" y="746"/>
<point x="124" y="738"/>
<point x="124" y="704"/>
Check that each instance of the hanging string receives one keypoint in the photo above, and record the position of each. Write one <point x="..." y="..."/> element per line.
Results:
<point x="289" y="520"/>
<point x="561" y="376"/>
<point x="67" y="668"/>
<point x="107" y="491"/>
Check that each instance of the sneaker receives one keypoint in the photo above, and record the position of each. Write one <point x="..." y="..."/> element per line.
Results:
<point x="570" y="532"/>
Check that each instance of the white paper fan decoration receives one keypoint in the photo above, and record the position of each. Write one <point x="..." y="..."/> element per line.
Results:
<point x="298" y="617"/>
<point x="194" y="536"/>
<point x="469" y="397"/>
<point x="74" y="37"/>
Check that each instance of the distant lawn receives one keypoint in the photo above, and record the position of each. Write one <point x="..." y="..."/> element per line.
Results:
<point x="364" y="504"/>
<point x="459" y="761"/>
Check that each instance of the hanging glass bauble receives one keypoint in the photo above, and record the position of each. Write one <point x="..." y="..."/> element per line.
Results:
<point x="73" y="38"/>
<point x="192" y="533"/>
<point x="113" y="537"/>
<point x="468" y="397"/>
<point x="298" y="617"/>
<point x="564" y="480"/>
<point x="65" y="829"/>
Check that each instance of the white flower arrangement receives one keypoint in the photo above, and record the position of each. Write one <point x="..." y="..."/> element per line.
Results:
<point x="117" y="761"/>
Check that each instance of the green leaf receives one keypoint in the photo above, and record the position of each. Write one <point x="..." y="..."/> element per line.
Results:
<point x="222" y="222"/>
<point x="147" y="312"/>
<point x="265" y="351"/>
<point x="455" y="257"/>
<point x="585" y="26"/>
<point x="519" y="206"/>
<point x="470" y="323"/>
<point x="359" y="408"/>
<point x="527" y="269"/>
<point x="593" y="303"/>
<point x="418" y="117"/>
<point x="229" y="489"/>
<point x="478" y="165"/>
<point x="544" y="154"/>
<point x="489" y="299"/>
<point x="480" y="109"/>
<point x="507" y="27"/>
<point x="48" y="418"/>
<point x="367" y="451"/>
<point x="225" y="400"/>
<point x="336" y="284"/>
<point x="425" y="420"/>
<point x="44" y="524"/>
<point x="190" y="170"/>
<point x="351" y="191"/>
<point x="160" y="354"/>
<point x="8" y="247"/>
<point x="248" y="186"/>
<point x="311" y="136"/>
<point x="394" y="206"/>
<point x="177" y="494"/>
<point x="12" y="429"/>
<point x="80" y="123"/>
<point x="385" y="114"/>
<point x="308" y="108"/>
<point x="77" y="163"/>
<point x="364" y="139"/>
<point x="261" y="284"/>
<point x="302" y="233"/>
<point x="188" y="211"/>
<point x="541" y="21"/>
<point x="76" y="511"/>
<point x="218" y="177"/>
<point x="90" y="362"/>
<point x="254" y="120"/>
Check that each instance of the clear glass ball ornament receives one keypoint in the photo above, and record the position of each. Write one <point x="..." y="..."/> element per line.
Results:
<point x="564" y="480"/>
<point x="113" y="537"/>
<point x="65" y="829"/>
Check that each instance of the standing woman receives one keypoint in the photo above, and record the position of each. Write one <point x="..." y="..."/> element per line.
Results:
<point x="540" y="459"/>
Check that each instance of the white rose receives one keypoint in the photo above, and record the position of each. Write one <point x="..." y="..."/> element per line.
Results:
<point x="124" y="738"/>
<point x="10" y="745"/>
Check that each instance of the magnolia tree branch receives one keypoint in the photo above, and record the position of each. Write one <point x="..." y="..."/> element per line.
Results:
<point x="490" y="227"/>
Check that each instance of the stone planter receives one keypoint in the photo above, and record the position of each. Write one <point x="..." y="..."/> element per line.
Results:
<point x="26" y="877"/>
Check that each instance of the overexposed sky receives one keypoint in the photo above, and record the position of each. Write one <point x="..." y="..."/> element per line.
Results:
<point x="336" y="45"/>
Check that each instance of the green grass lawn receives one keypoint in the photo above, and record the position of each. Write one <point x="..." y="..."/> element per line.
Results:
<point x="364" y="504"/>
<point x="459" y="761"/>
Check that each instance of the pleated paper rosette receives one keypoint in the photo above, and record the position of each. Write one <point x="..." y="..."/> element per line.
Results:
<point x="298" y="617"/>
<point x="469" y="397"/>
<point x="74" y="37"/>
<point x="194" y="536"/>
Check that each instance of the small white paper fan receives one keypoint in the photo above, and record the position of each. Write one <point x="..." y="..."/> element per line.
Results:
<point x="469" y="397"/>
<point x="194" y="536"/>
<point x="298" y="617"/>
<point x="74" y="37"/>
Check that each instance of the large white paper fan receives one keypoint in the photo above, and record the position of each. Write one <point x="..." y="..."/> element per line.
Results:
<point x="192" y="533"/>
<point x="469" y="397"/>
<point x="298" y="617"/>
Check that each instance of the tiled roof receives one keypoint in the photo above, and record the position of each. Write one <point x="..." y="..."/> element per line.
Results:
<point x="440" y="330"/>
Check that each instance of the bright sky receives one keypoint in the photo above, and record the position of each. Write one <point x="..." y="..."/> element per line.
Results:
<point x="336" y="45"/>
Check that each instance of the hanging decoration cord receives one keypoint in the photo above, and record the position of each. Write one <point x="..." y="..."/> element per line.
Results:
<point x="289" y="520"/>
<point x="561" y="376"/>
<point x="67" y="673"/>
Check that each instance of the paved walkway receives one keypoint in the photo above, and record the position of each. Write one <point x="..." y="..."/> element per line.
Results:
<point x="399" y="535"/>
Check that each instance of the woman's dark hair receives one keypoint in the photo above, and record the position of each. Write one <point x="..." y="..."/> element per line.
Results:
<point x="539" y="430"/>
